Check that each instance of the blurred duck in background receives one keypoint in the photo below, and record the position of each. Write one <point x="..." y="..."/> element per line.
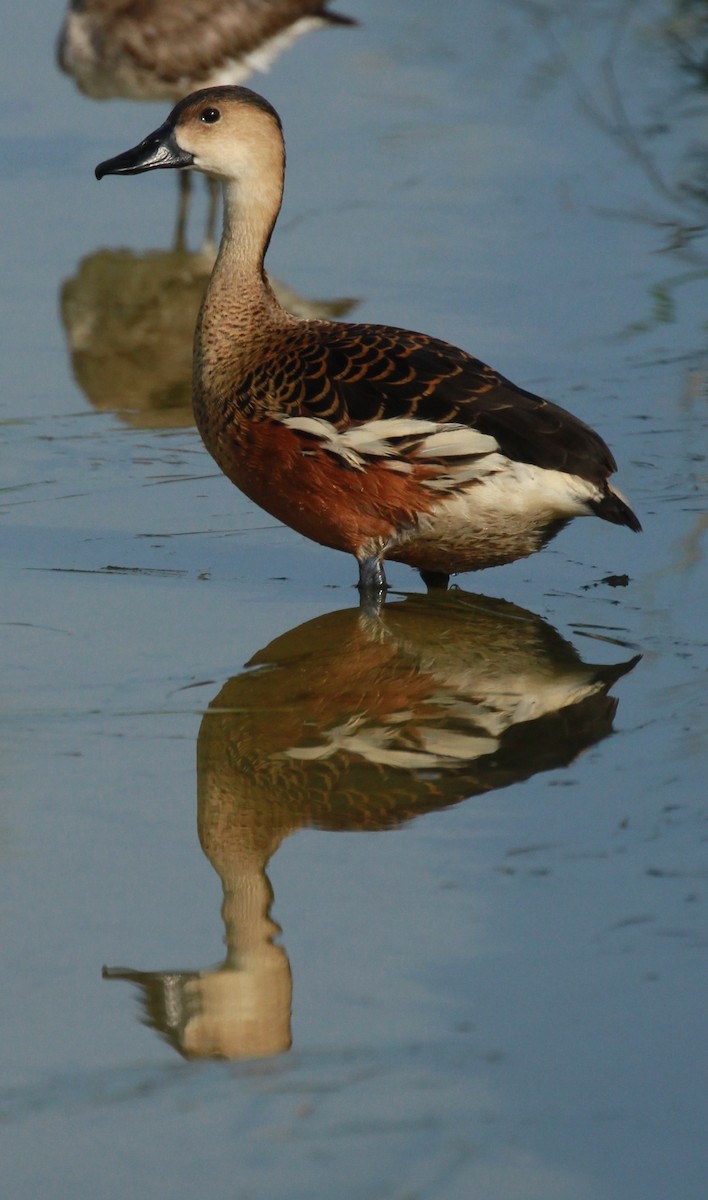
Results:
<point x="161" y="50"/>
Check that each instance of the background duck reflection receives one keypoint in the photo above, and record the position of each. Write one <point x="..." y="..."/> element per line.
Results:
<point x="358" y="723"/>
<point x="129" y="322"/>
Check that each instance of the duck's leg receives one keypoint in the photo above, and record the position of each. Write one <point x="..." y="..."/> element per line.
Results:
<point x="372" y="581"/>
<point x="435" y="580"/>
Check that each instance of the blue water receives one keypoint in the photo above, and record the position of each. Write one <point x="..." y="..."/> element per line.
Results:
<point x="426" y="918"/>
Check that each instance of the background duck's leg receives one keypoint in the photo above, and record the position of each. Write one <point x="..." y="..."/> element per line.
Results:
<point x="185" y="188"/>
<point x="212" y="213"/>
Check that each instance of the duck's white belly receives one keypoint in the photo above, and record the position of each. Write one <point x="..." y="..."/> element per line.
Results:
<point x="508" y="514"/>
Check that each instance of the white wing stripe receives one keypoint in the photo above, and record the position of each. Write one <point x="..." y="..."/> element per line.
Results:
<point x="454" y="441"/>
<point x="422" y="440"/>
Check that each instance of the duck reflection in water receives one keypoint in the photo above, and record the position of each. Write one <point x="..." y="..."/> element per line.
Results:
<point x="129" y="322"/>
<point x="359" y="722"/>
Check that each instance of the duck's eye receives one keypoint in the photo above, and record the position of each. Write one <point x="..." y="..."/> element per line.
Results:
<point x="210" y="115"/>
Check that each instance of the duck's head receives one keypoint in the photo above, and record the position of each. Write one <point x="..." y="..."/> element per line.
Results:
<point x="230" y="133"/>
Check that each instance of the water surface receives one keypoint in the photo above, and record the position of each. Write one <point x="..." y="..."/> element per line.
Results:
<point x="294" y="905"/>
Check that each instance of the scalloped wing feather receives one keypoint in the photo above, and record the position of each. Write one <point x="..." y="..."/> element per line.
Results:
<point x="349" y="375"/>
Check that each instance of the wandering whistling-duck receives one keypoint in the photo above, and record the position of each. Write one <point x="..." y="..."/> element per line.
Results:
<point x="378" y="441"/>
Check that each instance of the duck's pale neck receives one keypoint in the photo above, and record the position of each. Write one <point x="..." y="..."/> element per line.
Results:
<point x="239" y="306"/>
<point x="238" y="283"/>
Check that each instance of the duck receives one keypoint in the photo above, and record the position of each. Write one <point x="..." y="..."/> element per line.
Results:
<point x="382" y="442"/>
<point x="160" y="50"/>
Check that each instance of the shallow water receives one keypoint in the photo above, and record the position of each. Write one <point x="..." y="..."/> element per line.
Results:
<point x="430" y="891"/>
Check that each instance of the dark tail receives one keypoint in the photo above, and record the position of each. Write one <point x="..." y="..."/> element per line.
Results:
<point x="338" y="19"/>
<point x="613" y="507"/>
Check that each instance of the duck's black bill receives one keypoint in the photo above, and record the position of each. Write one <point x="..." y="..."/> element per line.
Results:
<point x="156" y="151"/>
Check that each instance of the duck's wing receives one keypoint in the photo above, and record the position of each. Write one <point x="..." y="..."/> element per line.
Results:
<point x="349" y="375"/>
